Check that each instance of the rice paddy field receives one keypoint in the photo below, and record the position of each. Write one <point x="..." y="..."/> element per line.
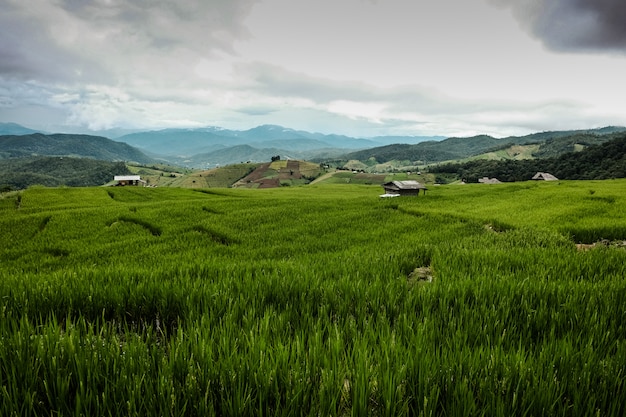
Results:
<point x="323" y="300"/>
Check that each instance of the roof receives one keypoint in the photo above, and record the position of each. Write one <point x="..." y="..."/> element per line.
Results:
<point x="405" y="185"/>
<point x="545" y="176"/>
<point x="127" y="178"/>
<point x="487" y="180"/>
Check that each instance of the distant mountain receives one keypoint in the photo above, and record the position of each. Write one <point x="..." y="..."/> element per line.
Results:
<point x="390" y="140"/>
<point x="181" y="142"/>
<point x="85" y="146"/>
<point x="209" y="146"/>
<point x="189" y="142"/>
<point x="15" y="129"/>
<point x="233" y="154"/>
<point x="250" y="153"/>
<point x="176" y="145"/>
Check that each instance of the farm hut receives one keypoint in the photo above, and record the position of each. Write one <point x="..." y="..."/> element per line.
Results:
<point x="129" y="180"/>
<point x="487" y="180"/>
<point x="404" y="188"/>
<point x="544" y="176"/>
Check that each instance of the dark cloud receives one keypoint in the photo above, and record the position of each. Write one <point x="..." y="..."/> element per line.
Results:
<point x="93" y="40"/>
<point x="215" y="23"/>
<point x="574" y="25"/>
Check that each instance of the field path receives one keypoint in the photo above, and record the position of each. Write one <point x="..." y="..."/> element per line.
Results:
<point x="322" y="178"/>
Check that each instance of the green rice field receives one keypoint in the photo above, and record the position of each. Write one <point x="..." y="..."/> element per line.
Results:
<point x="324" y="300"/>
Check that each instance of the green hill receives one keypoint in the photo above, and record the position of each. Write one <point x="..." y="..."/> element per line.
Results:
<point x="599" y="161"/>
<point x="84" y="146"/>
<point x="19" y="173"/>
<point x="455" y="148"/>
<point x="223" y="177"/>
<point x="280" y="173"/>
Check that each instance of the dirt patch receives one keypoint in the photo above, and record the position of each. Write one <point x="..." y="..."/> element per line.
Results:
<point x="286" y="174"/>
<point x="604" y="243"/>
<point x="258" y="173"/>
<point x="269" y="183"/>
<point x="422" y="274"/>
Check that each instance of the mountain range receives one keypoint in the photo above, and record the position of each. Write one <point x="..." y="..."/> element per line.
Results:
<point x="214" y="146"/>
<point x="211" y="146"/>
<point x="29" y="157"/>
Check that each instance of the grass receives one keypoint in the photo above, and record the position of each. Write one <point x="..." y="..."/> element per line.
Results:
<point x="304" y="300"/>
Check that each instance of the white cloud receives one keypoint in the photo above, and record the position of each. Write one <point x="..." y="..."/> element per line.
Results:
<point x="365" y="67"/>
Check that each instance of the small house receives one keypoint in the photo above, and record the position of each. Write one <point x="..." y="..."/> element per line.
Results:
<point x="128" y="180"/>
<point x="487" y="180"/>
<point x="403" y="188"/>
<point x="544" y="176"/>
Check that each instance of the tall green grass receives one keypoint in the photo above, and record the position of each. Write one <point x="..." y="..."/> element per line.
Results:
<point x="302" y="301"/>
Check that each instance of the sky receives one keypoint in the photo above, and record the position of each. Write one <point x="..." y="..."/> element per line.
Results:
<point x="356" y="67"/>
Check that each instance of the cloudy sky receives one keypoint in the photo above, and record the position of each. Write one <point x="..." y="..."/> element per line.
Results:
<point x="356" y="67"/>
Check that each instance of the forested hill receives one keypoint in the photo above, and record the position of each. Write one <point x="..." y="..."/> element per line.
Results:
<point x="603" y="161"/>
<point x="84" y="146"/>
<point x="19" y="173"/>
<point x="551" y="144"/>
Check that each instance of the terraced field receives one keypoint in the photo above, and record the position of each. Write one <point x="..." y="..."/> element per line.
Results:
<point x="320" y="300"/>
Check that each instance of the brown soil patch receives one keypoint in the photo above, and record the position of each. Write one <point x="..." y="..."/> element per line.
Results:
<point x="604" y="243"/>
<point x="420" y="275"/>
<point x="268" y="183"/>
<point x="258" y="173"/>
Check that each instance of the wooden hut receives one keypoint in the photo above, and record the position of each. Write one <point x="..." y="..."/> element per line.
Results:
<point x="544" y="176"/>
<point x="129" y="180"/>
<point x="403" y="188"/>
<point x="487" y="180"/>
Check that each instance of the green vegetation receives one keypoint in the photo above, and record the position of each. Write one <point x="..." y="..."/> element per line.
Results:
<point x="350" y="177"/>
<point x="61" y="144"/>
<point x="19" y="173"/>
<point x="280" y="174"/>
<point x="604" y="161"/>
<point x="169" y="176"/>
<point x="317" y="300"/>
<point x="537" y="145"/>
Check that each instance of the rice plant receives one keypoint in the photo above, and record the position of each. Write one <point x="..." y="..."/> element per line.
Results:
<point x="319" y="300"/>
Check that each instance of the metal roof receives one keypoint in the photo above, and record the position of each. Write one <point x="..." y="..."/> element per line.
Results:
<point x="487" y="180"/>
<point x="406" y="185"/>
<point x="545" y="176"/>
<point x="127" y="178"/>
